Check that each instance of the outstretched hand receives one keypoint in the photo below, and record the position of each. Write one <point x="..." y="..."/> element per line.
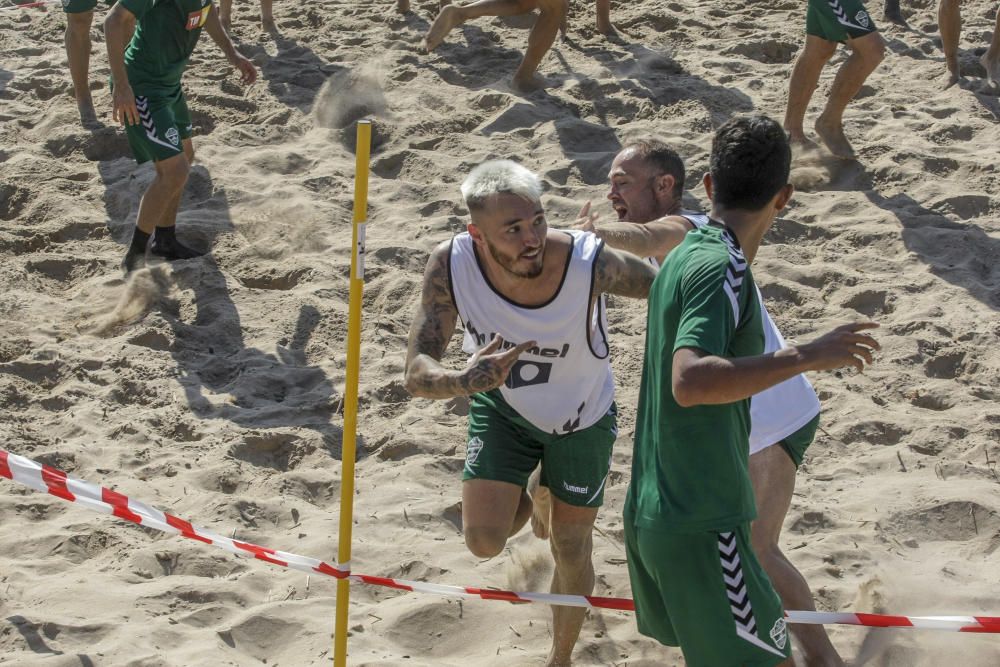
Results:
<point x="585" y="219"/>
<point x="488" y="368"/>
<point x="842" y="347"/>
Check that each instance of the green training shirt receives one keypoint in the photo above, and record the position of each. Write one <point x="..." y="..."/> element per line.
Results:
<point x="689" y="465"/>
<point x="165" y="36"/>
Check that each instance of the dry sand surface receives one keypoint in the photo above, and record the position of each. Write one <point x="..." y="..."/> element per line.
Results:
<point x="213" y="388"/>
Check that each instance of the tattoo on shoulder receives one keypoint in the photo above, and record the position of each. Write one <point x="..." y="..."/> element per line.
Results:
<point x="623" y="274"/>
<point x="434" y="321"/>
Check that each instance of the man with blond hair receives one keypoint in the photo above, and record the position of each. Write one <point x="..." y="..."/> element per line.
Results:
<point x="539" y="380"/>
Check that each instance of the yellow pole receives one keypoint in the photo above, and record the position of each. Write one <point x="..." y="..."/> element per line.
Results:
<point x="351" y="387"/>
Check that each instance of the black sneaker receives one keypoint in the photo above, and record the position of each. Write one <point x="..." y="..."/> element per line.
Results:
<point x="166" y="245"/>
<point x="133" y="261"/>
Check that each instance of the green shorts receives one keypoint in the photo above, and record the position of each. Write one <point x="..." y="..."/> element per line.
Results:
<point x="797" y="443"/>
<point x="505" y="447"/>
<point x="838" y="20"/>
<point x="706" y="593"/>
<point x="81" y="6"/>
<point x="164" y="123"/>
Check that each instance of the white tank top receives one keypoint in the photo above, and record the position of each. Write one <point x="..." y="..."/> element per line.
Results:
<point x="783" y="409"/>
<point x="564" y="384"/>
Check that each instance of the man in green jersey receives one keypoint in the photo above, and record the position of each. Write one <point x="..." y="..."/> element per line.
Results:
<point x="828" y="23"/>
<point x="696" y="581"/>
<point x="147" y="98"/>
<point x="79" y="18"/>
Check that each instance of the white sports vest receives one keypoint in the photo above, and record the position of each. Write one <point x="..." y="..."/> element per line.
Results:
<point x="564" y="384"/>
<point x="783" y="409"/>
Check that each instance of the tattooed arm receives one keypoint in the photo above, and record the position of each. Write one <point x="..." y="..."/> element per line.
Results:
<point x="433" y="325"/>
<point x="623" y="274"/>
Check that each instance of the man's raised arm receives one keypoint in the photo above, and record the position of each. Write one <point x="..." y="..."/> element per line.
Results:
<point x="655" y="238"/>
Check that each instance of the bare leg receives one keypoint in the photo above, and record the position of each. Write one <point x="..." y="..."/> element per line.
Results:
<point x="540" y="40"/>
<point x="604" y="18"/>
<point x="452" y="16"/>
<point x="950" y="25"/>
<point x="541" y="508"/>
<point x="266" y="16"/>
<point x="802" y="85"/>
<point x="491" y="512"/>
<point x="991" y="59"/>
<point x="226" y="14"/>
<point x="402" y="6"/>
<point x="866" y="53"/>
<point x="78" y="56"/>
<point x="773" y="476"/>
<point x="572" y="543"/>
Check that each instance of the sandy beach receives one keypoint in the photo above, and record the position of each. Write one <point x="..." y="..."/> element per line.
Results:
<point x="213" y="388"/>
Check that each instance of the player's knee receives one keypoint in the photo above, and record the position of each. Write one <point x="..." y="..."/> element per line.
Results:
<point x="79" y="23"/>
<point x="872" y="50"/>
<point x="174" y="172"/>
<point x="485" y="542"/>
<point x="570" y="548"/>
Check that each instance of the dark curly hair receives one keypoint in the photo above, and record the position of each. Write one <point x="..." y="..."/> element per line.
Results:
<point x="750" y="162"/>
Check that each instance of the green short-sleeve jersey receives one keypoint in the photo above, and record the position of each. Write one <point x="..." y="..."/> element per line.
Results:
<point x="165" y="36"/>
<point x="689" y="466"/>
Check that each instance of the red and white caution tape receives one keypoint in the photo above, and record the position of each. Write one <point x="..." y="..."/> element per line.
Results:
<point x="29" y="5"/>
<point x="49" y="480"/>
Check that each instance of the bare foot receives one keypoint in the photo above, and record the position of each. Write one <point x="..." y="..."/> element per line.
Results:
<point x="529" y="84"/>
<point x="267" y="25"/>
<point x="799" y="140"/>
<point x="992" y="69"/>
<point x="402" y="6"/>
<point x="449" y="19"/>
<point x="608" y="30"/>
<point x="541" y="505"/>
<point x="88" y="117"/>
<point x="832" y="134"/>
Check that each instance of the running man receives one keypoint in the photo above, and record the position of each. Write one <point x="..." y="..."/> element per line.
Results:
<point x="551" y="16"/>
<point x="829" y="22"/>
<point x="79" y="18"/>
<point x="950" y="24"/>
<point x="647" y="182"/>
<point x="147" y="98"/>
<point x="539" y="378"/>
<point x="696" y="581"/>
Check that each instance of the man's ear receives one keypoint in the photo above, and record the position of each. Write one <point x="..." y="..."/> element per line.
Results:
<point x="783" y="197"/>
<point x="707" y="182"/>
<point x="665" y="184"/>
<point x="474" y="232"/>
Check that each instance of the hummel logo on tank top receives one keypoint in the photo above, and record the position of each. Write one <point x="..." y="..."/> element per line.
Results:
<point x="563" y="384"/>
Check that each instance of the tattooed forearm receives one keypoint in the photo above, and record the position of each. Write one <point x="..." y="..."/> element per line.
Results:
<point x="623" y="274"/>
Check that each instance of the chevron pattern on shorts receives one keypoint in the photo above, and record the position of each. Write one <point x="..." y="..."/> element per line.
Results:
<point x="841" y="15"/>
<point x="146" y="118"/>
<point x="736" y="588"/>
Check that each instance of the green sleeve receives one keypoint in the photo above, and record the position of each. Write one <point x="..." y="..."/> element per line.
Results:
<point x="708" y="317"/>
<point x="137" y="7"/>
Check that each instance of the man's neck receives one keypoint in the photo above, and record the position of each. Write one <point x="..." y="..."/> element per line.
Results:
<point x="748" y="226"/>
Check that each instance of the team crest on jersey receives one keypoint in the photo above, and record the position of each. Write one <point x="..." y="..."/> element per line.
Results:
<point x="862" y="18"/>
<point x="173" y="136"/>
<point x="779" y="633"/>
<point x="472" y="451"/>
